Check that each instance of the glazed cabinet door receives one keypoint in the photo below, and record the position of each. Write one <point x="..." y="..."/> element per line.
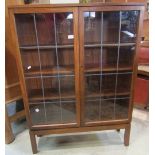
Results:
<point x="108" y="43"/>
<point x="48" y="54"/>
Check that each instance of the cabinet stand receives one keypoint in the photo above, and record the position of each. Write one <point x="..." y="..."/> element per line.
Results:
<point x="38" y="133"/>
<point x="127" y="135"/>
<point x="33" y="142"/>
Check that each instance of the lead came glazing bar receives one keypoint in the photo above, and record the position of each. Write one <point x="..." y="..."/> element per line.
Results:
<point x="101" y="66"/>
<point x="55" y="30"/>
<point x="120" y="13"/>
<point x="42" y="84"/>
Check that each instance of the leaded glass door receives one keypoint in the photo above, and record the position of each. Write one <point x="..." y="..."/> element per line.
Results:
<point x="48" y="52"/>
<point x="107" y="59"/>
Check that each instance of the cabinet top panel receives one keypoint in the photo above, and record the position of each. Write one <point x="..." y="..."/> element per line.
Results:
<point x="46" y="4"/>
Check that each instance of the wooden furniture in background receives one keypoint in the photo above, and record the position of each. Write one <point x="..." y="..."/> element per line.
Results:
<point x="145" y="32"/>
<point x="141" y="98"/>
<point x="12" y="86"/>
<point x="77" y="65"/>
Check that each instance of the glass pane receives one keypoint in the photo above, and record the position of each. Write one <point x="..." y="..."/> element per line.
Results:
<point x="121" y="108"/>
<point x="48" y="61"/>
<point x="68" y="111"/>
<point x="92" y="59"/>
<point x="51" y="88"/>
<point x="67" y="86"/>
<point x="92" y="27"/>
<point x="25" y="29"/>
<point x="34" y="89"/>
<point x="45" y="29"/>
<point x="99" y="109"/>
<point x="30" y="61"/>
<point x="108" y="84"/>
<point x="92" y="110"/>
<point x="129" y="22"/>
<point x="53" y="112"/>
<point x="109" y="59"/>
<point x="64" y="28"/>
<point x="124" y="82"/>
<point x="92" y="85"/>
<point x="66" y="60"/>
<point x="126" y="57"/>
<point x="111" y="27"/>
<point x="107" y="109"/>
<point x="37" y="113"/>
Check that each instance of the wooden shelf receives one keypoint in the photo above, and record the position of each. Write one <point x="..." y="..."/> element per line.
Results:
<point x="49" y="95"/>
<point x="108" y="69"/>
<point x="45" y="47"/>
<point x="107" y="94"/>
<point x="109" y="45"/>
<point x="71" y="46"/>
<point x="50" y="70"/>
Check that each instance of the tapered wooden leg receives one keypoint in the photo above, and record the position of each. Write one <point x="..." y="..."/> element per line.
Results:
<point x="127" y="135"/>
<point x="33" y="142"/>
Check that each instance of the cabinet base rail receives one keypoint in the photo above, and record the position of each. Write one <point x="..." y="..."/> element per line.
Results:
<point x="39" y="133"/>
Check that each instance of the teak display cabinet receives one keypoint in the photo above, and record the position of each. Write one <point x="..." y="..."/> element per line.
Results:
<point x="77" y="65"/>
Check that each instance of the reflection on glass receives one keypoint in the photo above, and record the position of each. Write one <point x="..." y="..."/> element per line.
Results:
<point x="92" y="27"/>
<point x="53" y="112"/>
<point x="110" y="27"/>
<point x="37" y="114"/>
<point x="129" y="26"/>
<point x="30" y="60"/>
<point x="64" y="28"/>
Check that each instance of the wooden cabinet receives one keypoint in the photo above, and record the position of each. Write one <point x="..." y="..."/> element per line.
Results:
<point x="77" y="65"/>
